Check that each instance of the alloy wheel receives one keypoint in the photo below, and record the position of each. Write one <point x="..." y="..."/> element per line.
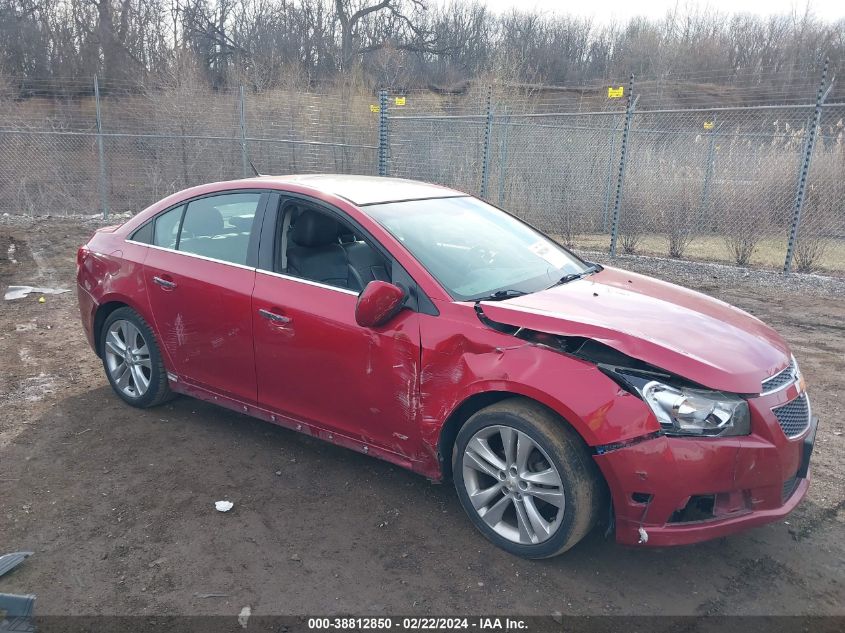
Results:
<point x="128" y="358"/>
<point x="513" y="485"/>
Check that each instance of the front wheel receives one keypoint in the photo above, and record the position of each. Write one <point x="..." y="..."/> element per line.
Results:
<point x="526" y="479"/>
<point x="132" y="360"/>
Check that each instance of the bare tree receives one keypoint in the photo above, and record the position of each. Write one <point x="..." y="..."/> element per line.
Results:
<point x="367" y="26"/>
<point x="318" y="40"/>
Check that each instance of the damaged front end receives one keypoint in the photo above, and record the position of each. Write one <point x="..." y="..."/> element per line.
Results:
<point x="716" y="462"/>
<point x="680" y="406"/>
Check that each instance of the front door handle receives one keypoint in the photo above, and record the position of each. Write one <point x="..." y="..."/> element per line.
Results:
<point x="273" y="316"/>
<point x="164" y="283"/>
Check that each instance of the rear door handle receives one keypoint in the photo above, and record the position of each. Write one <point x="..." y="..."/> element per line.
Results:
<point x="164" y="283"/>
<point x="273" y="316"/>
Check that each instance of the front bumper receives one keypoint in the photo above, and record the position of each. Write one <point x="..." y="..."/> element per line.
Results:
<point x="682" y="490"/>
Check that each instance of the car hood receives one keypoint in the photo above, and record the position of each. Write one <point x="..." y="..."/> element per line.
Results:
<point x="679" y="330"/>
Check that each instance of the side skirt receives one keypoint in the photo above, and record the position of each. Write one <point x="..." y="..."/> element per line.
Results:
<point x="207" y="395"/>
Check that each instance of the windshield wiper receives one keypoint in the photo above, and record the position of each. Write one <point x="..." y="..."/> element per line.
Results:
<point x="501" y="295"/>
<point x="573" y="276"/>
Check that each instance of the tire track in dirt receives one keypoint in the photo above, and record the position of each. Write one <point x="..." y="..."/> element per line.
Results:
<point x="818" y="520"/>
<point x="751" y="574"/>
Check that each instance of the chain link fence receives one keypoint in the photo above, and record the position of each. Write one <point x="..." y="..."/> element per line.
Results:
<point x="719" y="183"/>
<point x="156" y="142"/>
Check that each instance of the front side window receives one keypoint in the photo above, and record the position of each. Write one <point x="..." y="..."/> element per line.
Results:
<point x="474" y="249"/>
<point x="219" y="227"/>
<point x="320" y="247"/>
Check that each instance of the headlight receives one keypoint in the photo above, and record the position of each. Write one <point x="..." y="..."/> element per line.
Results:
<point x="688" y="411"/>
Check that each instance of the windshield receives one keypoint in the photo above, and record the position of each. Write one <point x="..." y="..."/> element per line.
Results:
<point x="474" y="249"/>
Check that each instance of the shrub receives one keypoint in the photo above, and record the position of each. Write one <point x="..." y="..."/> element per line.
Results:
<point x="630" y="241"/>
<point x="744" y="223"/>
<point x="808" y="252"/>
<point x="750" y="208"/>
<point x="681" y="204"/>
<point x="632" y="215"/>
<point x="824" y="208"/>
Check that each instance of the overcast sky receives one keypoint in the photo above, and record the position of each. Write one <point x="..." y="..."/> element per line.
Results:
<point x="605" y="10"/>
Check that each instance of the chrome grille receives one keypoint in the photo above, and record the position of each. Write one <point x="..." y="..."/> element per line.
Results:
<point x="781" y="379"/>
<point x="794" y="416"/>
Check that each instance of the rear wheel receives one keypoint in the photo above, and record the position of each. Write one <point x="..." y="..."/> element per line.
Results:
<point x="132" y="360"/>
<point x="526" y="479"/>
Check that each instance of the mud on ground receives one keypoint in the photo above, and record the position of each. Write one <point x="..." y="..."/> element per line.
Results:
<point x="118" y="503"/>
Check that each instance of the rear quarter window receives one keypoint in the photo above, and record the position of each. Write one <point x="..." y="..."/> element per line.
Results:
<point x="144" y="234"/>
<point x="166" y="227"/>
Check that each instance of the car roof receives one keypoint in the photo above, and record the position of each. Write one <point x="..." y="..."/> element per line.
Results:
<point x="364" y="190"/>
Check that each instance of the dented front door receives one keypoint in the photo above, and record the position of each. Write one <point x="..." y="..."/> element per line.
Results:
<point x="316" y="365"/>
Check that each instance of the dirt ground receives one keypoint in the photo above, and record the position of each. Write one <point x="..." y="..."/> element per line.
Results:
<point x="117" y="504"/>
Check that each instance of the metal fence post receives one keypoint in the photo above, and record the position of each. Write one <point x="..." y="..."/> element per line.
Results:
<point x="612" y="136"/>
<point x="382" y="133"/>
<point x="485" y="151"/>
<point x="617" y="203"/>
<point x="104" y="200"/>
<point x="503" y="157"/>
<point x="708" y="174"/>
<point x="244" y="159"/>
<point x="801" y="191"/>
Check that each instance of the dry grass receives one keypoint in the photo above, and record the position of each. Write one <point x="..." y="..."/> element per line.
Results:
<point x="770" y="251"/>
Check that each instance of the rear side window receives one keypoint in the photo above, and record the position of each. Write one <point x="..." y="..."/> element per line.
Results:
<point x="166" y="227"/>
<point x="219" y="226"/>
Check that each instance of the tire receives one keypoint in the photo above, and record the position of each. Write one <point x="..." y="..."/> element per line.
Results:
<point x="529" y="515"/>
<point x="139" y="378"/>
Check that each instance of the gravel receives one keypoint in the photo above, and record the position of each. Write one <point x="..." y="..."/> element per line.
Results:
<point x="689" y="273"/>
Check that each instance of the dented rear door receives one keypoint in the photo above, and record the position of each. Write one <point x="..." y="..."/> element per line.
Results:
<point x="204" y="320"/>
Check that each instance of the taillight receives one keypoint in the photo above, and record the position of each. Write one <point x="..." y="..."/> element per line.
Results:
<point x="81" y="256"/>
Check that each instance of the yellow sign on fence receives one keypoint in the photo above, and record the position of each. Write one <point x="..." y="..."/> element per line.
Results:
<point x="615" y="93"/>
<point x="708" y="125"/>
<point x="400" y="101"/>
<point x="374" y="108"/>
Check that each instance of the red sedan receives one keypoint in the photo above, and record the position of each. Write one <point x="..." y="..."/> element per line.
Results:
<point x="426" y="327"/>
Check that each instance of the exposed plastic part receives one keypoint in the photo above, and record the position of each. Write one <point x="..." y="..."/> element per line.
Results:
<point x="16" y="612"/>
<point x="606" y="448"/>
<point x="19" y="292"/>
<point x="9" y="561"/>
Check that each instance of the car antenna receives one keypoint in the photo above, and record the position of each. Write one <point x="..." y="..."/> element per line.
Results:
<point x="254" y="170"/>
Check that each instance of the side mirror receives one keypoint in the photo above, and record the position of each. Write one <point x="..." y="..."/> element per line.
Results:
<point x="378" y="303"/>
